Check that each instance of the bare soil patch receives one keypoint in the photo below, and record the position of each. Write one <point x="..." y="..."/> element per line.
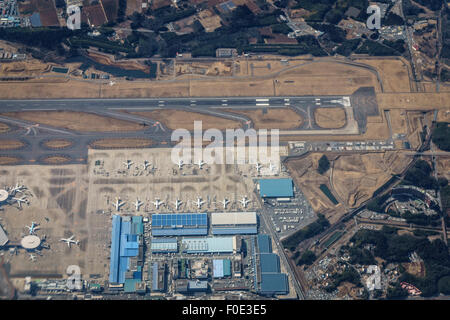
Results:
<point x="121" y="143"/>
<point x="11" y="144"/>
<point x="58" y="144"/>
<point x="330" y="118"/>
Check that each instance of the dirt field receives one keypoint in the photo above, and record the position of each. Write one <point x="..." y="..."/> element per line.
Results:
<point x="11" y="144"/>
<point x="58" y="144"/>
<point x="414" y="101"/>
<point x="330" y="118"/>
<point x="398" y="121"/>
<point x="77" y="121"/>
<point x="356" y="177"/>
<point x="5" y="160"/>
<point x="23" y="68"/>
<point x="394" y="73"/>
<point x="176" y="119"/>
<point x="271" y="118"/>
<point x="4" y="128"/>
<point x="108" y="60"/>
<point x="121" y="143"/>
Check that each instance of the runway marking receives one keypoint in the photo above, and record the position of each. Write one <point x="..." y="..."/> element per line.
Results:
<point x="262" y="99"/>
<point x="224" y="104"/>
<point x="263" y="104"/>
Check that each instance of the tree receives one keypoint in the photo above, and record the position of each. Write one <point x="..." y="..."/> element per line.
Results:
<point x="308" y="257"/>
<point x="396" y="292"/>
<point x="444" y="285"/>
<point x="324" y="165"/>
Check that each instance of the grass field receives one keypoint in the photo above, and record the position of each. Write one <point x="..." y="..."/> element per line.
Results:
<point x="330" y="118"/>
<point x="58" y="144"/>
<point x="11" y="144"/>
<point x="77" y="121"/>
<point x="275" y="118"/>
<point x="121" y="143"/>
<point x="177" y="119"/>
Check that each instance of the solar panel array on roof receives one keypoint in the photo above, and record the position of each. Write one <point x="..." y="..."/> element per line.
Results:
<point x="276" y="188"/>
<point x="179" y="224"/>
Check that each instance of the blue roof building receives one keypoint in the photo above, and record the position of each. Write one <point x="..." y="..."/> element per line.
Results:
<point x="276" y="188"/>
<point x="179" y="224"/>
<point x="270" y="263"/>
<point x="274" y="283"/>
<point x="264" y="243"/>
<point x="125" y="246"/>
<point x="209" y="245"/>
<point x="221" y="268"/>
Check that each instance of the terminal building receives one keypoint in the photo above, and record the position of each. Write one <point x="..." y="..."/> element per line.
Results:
<point x="180" y="224"/>
<point x="211" y="245"/>
<point x="127" y="255"/>
<point x="234" y="223"/>
<point x="279" y="189"/>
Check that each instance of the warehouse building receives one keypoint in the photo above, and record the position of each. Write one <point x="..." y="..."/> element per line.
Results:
<point x="264" y="243"/>
<point x="210" y="245"/>
<point x="274" y="284"/>
<point x="221" y="268"/>
<point x="269" y="263"/>
<point x="158" y="276"/>
<point x="234" y="223"/>
<point x="127" y="253"/>
<point x="164" y="245"/>
<point x="188" y="286"/>
<point x="180" y="224"/>
<point x="280" y="189"/>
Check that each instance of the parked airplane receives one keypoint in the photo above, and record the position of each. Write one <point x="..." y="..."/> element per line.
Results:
<point x="180" y="164"/>
<point x="118" y="204"/>
<point x="199" y="202"/>
<point x="244" y="201"/>
<point x="70" y="240"/>
<point x="128" y="163"/>
<point x="157" y="203"/>
<point x="272" y="166"/>
<point x="146" y="164"/>
<point x="138" y="204"/>
<point x="21" y="200"/>
<point x="200" y="163"/>
<point x="258" y="167"/>
<point x="225" y="202"/>
<point x="32" y="228"/>
<point x="177" y="203"/>
<point x="17" y="188"/>
<point x="32" y="257"/>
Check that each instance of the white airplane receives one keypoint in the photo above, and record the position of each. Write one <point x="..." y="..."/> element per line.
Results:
<point x="225" y="202"/>
<point x="180" y="164"/>
<point x="118" y="204"/>
<point x="272" y="166"/>
<point x="69" y="241"/>
<point x="258" y="167"/>
<point x="32" y="257"/>
<point x="199" y="202"/>
<point x="111" y="83"/>
<point x="244" y="201"/>
<point x="146" y="164"/>
<point x="33" y="227"/>
<point x="138" y="204"/>
<point x="177" y="203"/>
<point x="128" y="164"/>
<point x="200" y="163"/>
<point x="157" y="203"/>
<point x="21" y="200"/>
<point x="17" y="188"/>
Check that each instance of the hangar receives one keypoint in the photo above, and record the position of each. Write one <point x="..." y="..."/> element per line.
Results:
<point x="276" y="188"/>
<point x="234" y="223"/>
<point x="179" y="224"/>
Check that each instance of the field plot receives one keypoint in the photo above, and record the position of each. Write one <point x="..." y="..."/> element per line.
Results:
<point x="393" y="72"/>
<point x="121" y="143"/>
<point x="11" y="144"/>
<point x="176" y="119"/>
<point x="77" y="121"/>
<point x="330" y="118"/>
<point x="356" y="177"/>
<point x="271" y="118"/>
<point x="58" y="199"/>
<point x="309" y="181"/>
